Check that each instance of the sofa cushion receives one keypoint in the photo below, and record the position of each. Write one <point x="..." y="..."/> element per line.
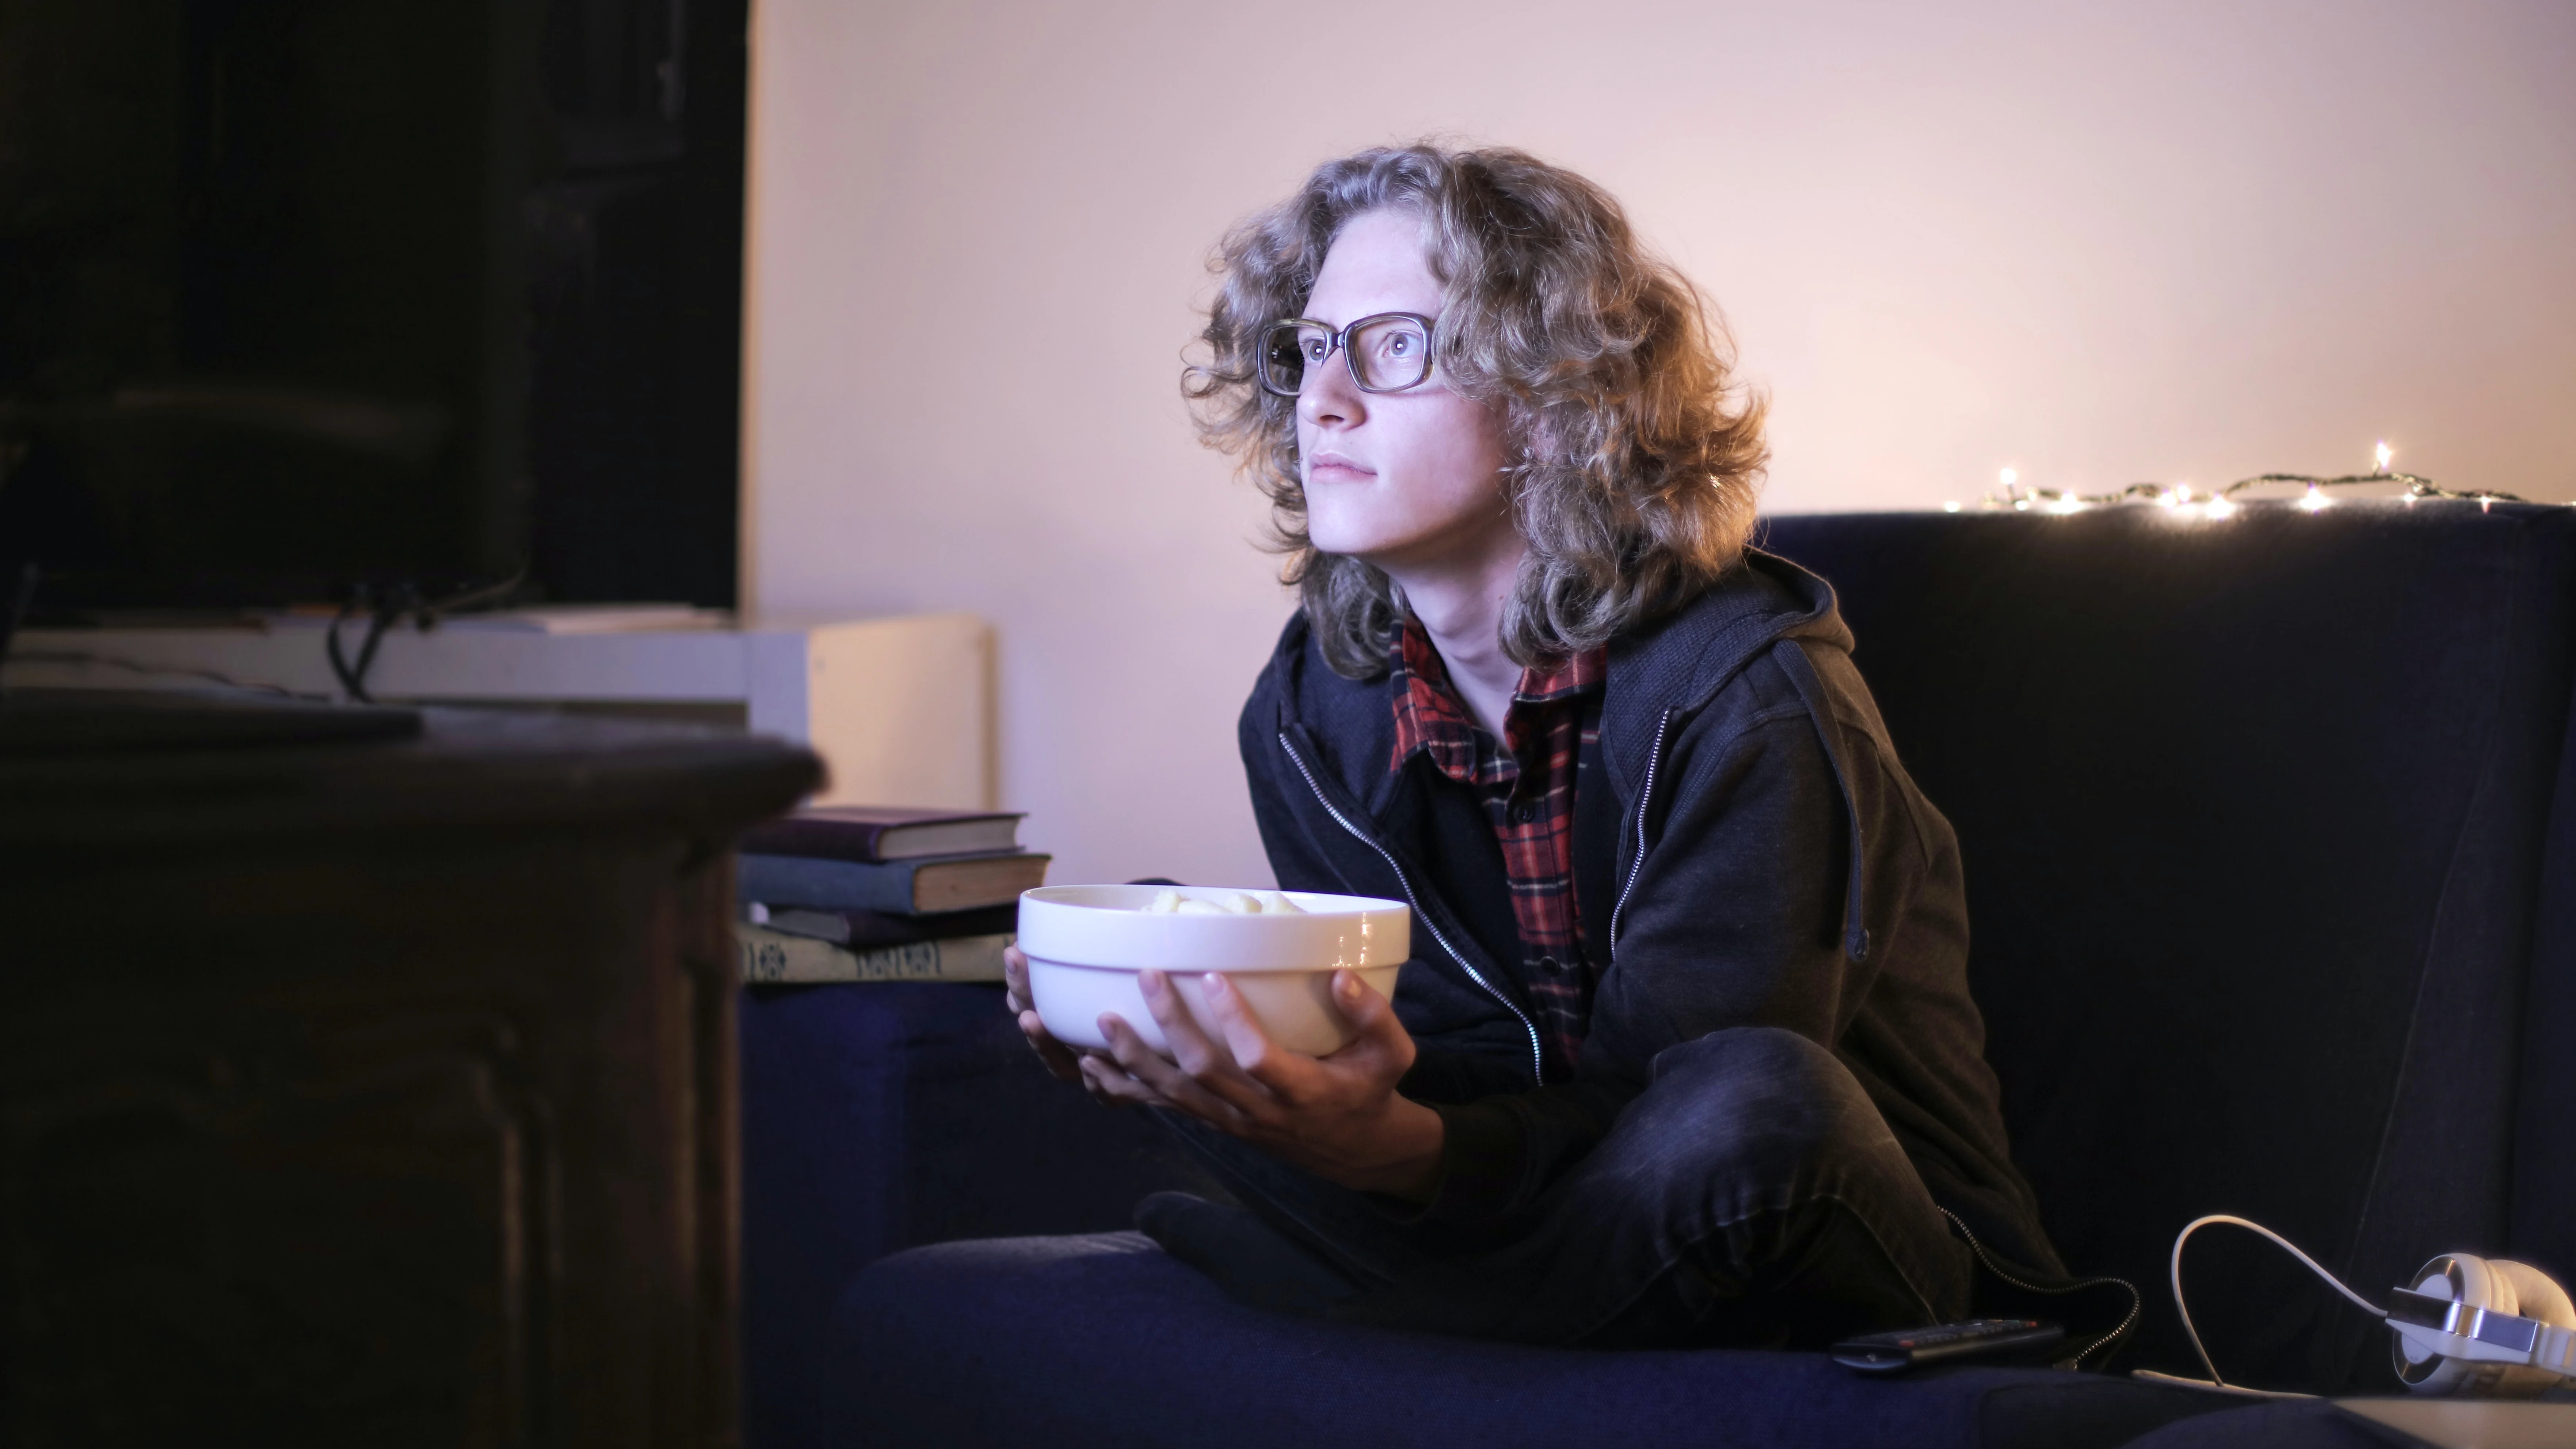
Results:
<point x="2253" y="817"/>
<point x="1103" y="1340"/>
<point x="2292" y="1424"/>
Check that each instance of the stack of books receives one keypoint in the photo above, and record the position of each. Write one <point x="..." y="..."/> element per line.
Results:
<point x="869" y="893"/>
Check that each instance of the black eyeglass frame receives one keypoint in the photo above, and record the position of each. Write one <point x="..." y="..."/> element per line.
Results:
<point x="1336" y="343"/>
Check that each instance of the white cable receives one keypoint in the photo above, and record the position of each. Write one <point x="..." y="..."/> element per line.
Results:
<point x="2150" y="1376"/>
<point x="2195" y="1225"/>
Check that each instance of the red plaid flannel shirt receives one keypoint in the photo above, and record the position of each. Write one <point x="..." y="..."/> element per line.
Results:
<point x="1527" y="785"/>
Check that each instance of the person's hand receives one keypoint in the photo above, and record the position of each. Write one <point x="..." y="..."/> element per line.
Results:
<point x="1058" y="1057"/>
<point x="1337" y="1116"/>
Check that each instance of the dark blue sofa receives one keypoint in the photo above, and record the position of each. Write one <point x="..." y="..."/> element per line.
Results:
<point x="2272" y="867"/>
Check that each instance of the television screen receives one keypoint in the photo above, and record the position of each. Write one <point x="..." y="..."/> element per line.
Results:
<point x="262" y="297"/>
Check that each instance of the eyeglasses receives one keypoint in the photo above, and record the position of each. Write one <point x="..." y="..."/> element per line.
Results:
<point x="1386" y="353"/>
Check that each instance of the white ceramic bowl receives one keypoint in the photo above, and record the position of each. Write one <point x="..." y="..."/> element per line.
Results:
<point x="1085" y="945"/>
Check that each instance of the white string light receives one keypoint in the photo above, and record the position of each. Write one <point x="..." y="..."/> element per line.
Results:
<point x="2179" y="497"/>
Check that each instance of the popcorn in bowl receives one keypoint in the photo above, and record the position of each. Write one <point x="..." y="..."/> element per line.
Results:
<point x="1279" y="950"/>
<point x="1223" y="903"/>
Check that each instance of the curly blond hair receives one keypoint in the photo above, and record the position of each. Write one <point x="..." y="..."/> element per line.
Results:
<point x="1636" y="458"/>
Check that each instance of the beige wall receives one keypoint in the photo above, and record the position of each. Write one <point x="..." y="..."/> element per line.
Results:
<point x="2098" y="244"/>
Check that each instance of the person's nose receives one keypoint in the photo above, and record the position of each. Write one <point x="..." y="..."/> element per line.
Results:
<point x="1330" y="397"/>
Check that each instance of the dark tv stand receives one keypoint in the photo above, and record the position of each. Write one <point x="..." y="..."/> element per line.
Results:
<point x="374" y="1092"/>
<point x="81" y="721"/>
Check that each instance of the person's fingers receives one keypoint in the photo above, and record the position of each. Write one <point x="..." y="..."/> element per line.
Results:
<point x="1015" y="980"/>
<point x="1253" y="1051"/>
<point x="1191" y="1049"/>
<point x="1116" y="1088"/>
<point x="1370" y="1015"/>
<point x="1210" y="1061"/>
<point x="1146" y="1065"/>
<point x="1381" y="1042"/>
<point x="1128" y="1048"/>
<point x="1055" y="1054"/>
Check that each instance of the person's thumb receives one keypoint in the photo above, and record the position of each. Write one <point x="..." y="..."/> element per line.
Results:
<point x="1373" y="1017"/>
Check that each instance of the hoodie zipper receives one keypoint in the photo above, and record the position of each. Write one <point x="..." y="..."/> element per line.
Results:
<point x="1537" y="1069"/>
<point x="1638" y="862"/>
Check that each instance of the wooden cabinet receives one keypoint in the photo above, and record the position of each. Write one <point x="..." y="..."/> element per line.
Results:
<point x="375" y="1094"/>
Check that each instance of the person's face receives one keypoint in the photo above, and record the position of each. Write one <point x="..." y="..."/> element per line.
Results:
<point x="1396" y="478"/>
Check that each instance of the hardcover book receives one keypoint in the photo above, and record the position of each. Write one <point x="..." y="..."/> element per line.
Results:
<point x="872" y="834"/>
<point x="862" y="930"/>
<point x="899" y="887"/>
<point x="772" y="958"/>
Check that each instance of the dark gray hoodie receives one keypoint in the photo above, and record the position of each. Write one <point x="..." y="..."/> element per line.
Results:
<point x="1740" y="760"/>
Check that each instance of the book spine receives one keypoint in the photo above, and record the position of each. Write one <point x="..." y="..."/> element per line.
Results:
<point x="786" y="880"/>
<point x="772" y="958"/>
<point x="861" y="930"/>
<point x="857" y="842"/>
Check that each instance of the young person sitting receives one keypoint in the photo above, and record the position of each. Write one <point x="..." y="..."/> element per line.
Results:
<point x="1685" y="1054"/>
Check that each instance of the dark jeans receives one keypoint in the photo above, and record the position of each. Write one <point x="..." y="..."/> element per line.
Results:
<point x="1752" y="1196"/>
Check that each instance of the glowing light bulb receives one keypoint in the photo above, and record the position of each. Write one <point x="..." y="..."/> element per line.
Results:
<point x="2010" y="478"/>
<point x="2316" y="501"/>
<point x="2385" y="453"/>
<point x="2182" y="493"/>
<point x="1950" y="505"/>
<point x="2220" y="508"/>
<point x="2169" y="500"/>
<point x="2067" y="503"/>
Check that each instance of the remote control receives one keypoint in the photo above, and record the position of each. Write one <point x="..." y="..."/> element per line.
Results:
<point x="1887" y="1353"/>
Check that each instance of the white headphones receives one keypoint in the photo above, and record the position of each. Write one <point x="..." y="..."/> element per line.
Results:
<point x="2470" y="1327"/>
<point x="2486" y="1327"/>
